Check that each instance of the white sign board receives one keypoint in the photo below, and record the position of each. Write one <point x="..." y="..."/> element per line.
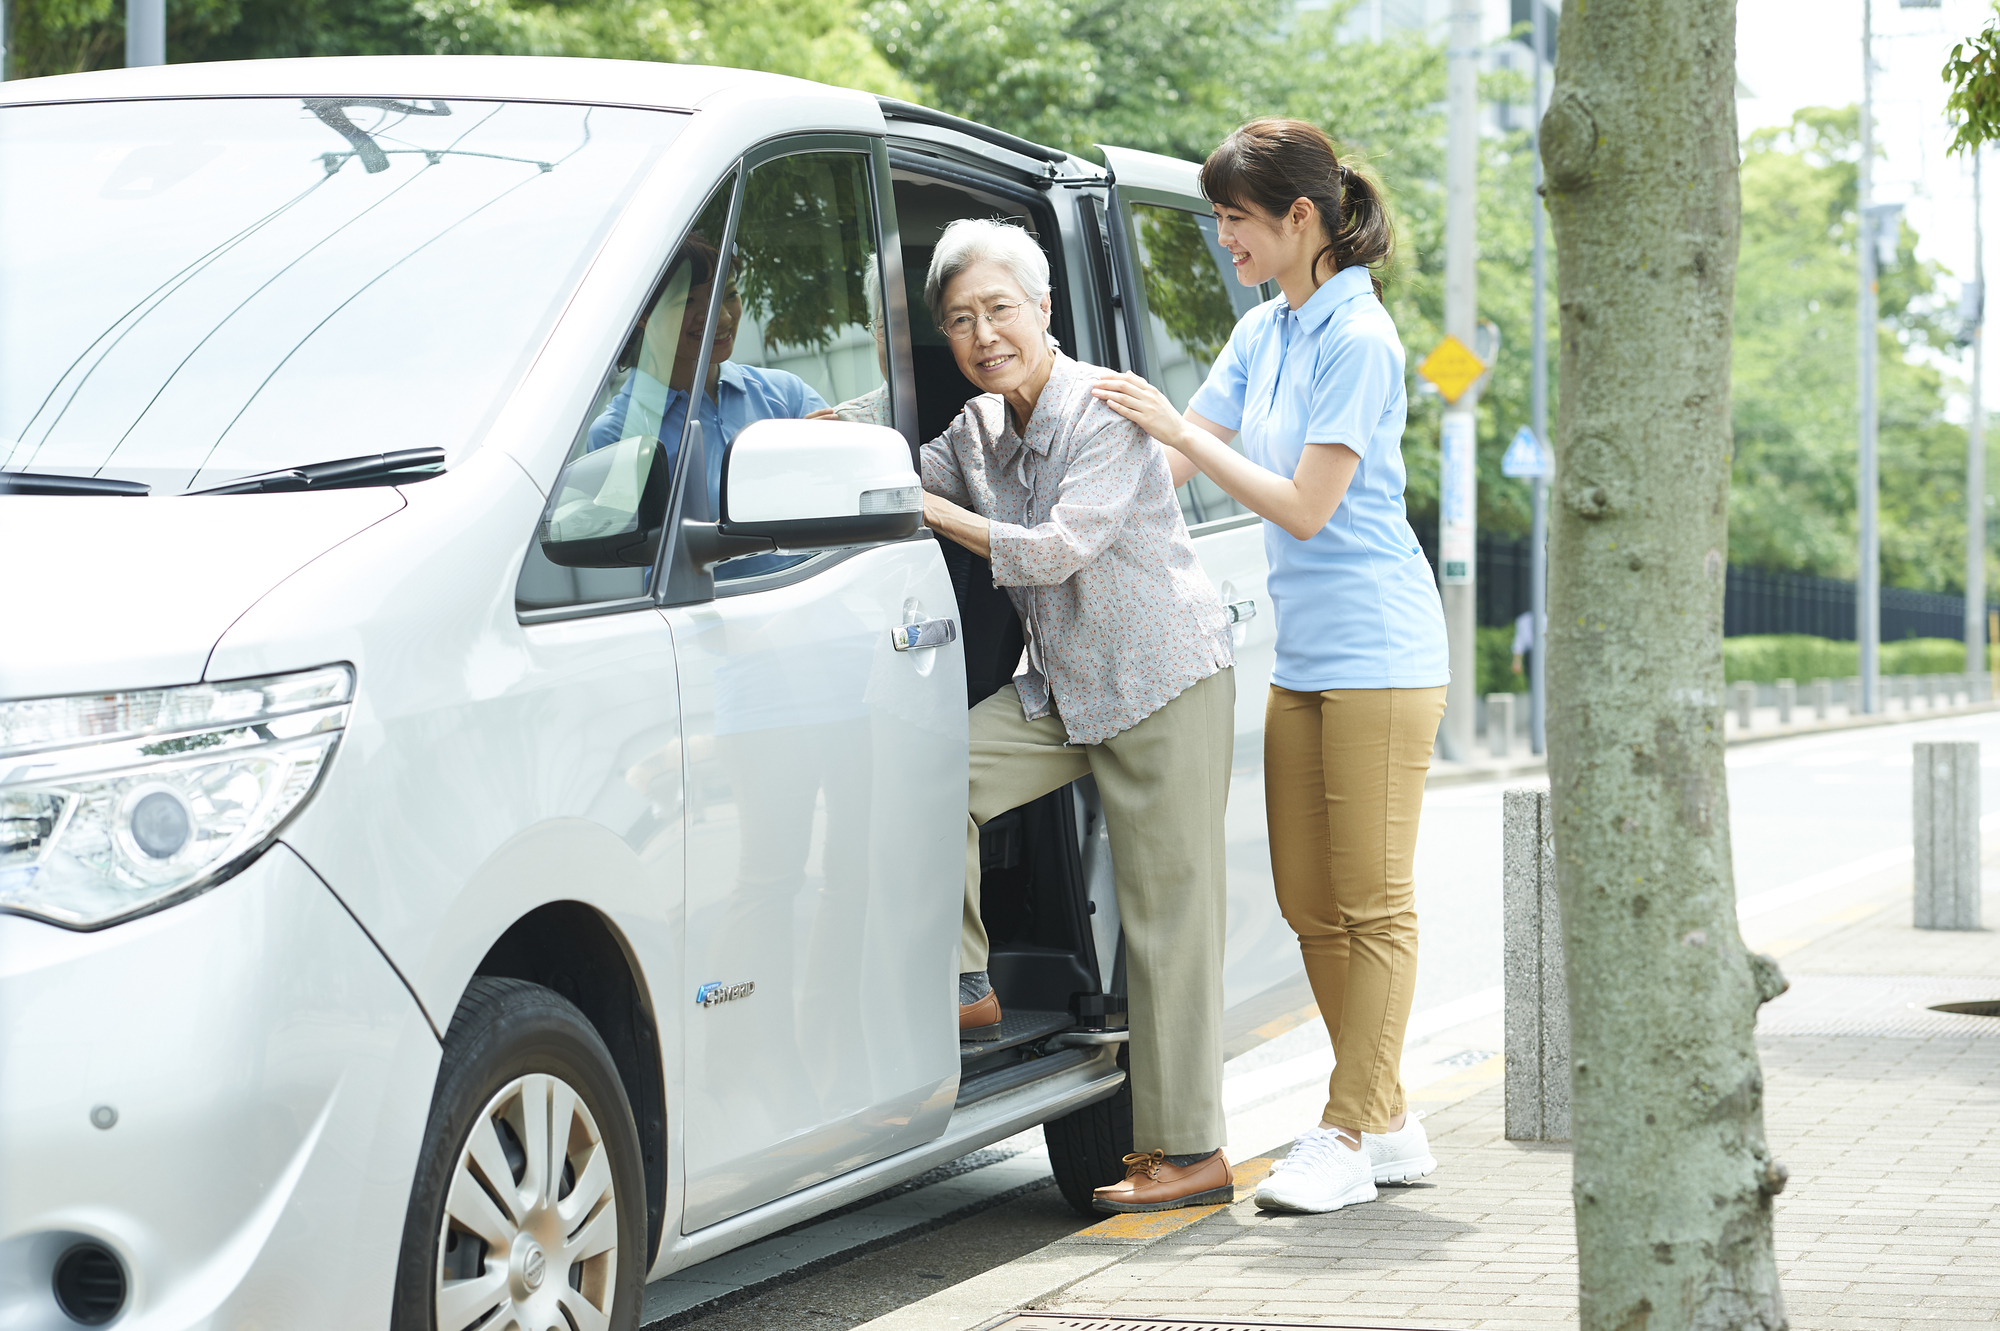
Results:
<point x="1458" y="480"/>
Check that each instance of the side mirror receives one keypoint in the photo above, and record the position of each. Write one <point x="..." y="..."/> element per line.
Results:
<point x="601" y="505"/>
<point x="820" y="485"/>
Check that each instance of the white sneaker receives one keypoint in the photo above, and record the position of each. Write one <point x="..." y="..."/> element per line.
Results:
<point x="1320" y="1174"/>
<point x="1400" y="1157"/>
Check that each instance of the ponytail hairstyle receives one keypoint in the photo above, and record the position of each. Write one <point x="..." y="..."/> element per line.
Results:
<point x="1269" y="163"/>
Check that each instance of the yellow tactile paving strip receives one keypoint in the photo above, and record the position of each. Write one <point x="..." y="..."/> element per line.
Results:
<point x="1157" y="1224"/>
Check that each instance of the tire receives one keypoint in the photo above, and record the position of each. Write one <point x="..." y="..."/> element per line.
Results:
<point x="1087" y="1147"/>
<point x="549" y="1258"/>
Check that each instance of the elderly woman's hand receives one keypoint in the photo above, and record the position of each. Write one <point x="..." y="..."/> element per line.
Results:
<point x="1142" y="404"/>
<point x="960" y="524"/>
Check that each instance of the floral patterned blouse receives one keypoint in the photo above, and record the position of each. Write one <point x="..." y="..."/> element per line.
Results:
<point x="1089" y="543"/>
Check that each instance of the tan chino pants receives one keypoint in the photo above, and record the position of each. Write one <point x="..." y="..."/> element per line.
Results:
<point x="1164" y="783"/>
<point x="1344" y="783"/>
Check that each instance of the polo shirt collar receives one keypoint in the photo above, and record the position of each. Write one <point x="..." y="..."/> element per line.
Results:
<point x="1336" y="291"/>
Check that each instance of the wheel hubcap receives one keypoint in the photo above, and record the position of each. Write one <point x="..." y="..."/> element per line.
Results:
<point x="530" y="1234"/>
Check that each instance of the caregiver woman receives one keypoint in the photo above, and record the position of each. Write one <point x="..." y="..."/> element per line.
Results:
<point x="1313" y="385"/>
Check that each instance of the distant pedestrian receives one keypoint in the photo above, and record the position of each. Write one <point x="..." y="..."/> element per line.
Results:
<point x="1312" y="384"/>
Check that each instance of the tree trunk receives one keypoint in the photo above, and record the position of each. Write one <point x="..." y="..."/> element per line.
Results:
<point x="1673" y="1179"/>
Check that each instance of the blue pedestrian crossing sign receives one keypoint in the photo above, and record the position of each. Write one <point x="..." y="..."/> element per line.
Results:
<point x="1524" y="457"/>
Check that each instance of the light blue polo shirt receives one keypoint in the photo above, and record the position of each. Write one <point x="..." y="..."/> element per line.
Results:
<point x="1357" y="605"/>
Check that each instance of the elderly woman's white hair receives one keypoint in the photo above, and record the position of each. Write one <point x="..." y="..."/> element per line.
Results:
<point x="971" y="240"/>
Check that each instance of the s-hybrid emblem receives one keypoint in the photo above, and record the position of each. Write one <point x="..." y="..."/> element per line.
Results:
<point x="715" y="991"/>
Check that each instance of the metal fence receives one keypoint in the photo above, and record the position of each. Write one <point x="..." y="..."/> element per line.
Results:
<point x="1754" y="600"/>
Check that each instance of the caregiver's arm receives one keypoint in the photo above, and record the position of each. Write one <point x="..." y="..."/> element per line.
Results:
<point x="1300" y="503"/>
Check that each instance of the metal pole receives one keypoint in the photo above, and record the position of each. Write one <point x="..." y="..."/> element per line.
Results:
<point x="1457" y="502"/>
<point x="1868" y="580"/>
<point x="145" y="33"/>
<point x="1975" y="453"/>
<point x="1538" y="540"/>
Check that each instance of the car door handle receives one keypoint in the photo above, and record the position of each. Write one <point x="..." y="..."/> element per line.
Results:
<point x="925" y="633"/>
<point x="1239" y="611"/>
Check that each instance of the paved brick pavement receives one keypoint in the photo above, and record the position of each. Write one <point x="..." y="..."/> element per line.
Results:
<point x="1891" y="1221"/>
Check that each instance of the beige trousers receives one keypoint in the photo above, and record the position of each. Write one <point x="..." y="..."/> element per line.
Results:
<point x="1343" y="786"/>
<point x="1164" y="784"/>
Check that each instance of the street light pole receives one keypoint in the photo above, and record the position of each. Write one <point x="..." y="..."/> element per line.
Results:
<point x="1538" y="540"/>
<point x="145" y="33"/>
<point x="1458" y="479"/>
<point x="1975" y="451"/>
<point x="1868" y="576"/>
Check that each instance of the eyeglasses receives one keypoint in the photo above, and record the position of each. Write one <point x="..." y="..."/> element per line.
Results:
<point x="1001" y="315"/>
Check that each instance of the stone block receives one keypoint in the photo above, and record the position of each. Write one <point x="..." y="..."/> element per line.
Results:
<point x="1788" y="693"/>
<point x="1499" y="723"/>
<point x="1945" y="806"/>
<point x="1537" y="997"/>
<point x="1822" y="698"/>
<point x="1851" y="691"/>
<point x="1746" y="702"/>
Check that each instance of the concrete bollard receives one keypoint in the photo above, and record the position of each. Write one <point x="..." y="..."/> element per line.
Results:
<point x="1499" y="723"/>
<point x="1537" y="1001"/>
<point x="1929" y="686"/>
<point x="1746" y="703"/>
<point x="1822" y="698"/>
<point x="1945" y="803"/>
<point x="1851" y="692"/>
<point x="1788" y="692"/>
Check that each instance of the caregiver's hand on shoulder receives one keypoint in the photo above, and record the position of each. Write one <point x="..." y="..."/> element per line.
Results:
<point x="1142" y="404"/>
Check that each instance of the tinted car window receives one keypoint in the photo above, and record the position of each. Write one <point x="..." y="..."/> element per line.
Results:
<point x="200" y="289"/>
<point x="1193" y="301"/>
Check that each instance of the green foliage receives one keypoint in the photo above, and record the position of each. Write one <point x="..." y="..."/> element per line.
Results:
<point x="1767" y="657"/>
<point x="1493" y="657"/>
<point x="1973" y="71"/>
<point x="1792" y="496"/>
<point x="1183" y="285"/>
<point x="790" y="209"/>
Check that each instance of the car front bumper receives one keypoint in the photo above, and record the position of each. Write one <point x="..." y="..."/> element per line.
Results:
<point x="269" y="1075"/>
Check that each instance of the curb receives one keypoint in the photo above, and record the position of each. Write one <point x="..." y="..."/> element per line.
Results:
<point x="1465" y="774"/>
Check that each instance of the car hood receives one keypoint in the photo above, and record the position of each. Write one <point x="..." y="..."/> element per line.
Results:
<point x="115" y="593"/>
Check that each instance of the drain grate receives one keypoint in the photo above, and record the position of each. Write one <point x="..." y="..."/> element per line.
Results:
<point x="1902" y="1006"/>
<point x="1083" y="1322"/>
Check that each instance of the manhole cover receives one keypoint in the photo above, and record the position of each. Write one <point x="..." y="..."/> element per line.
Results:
<point x="1988" y="1007"/>
<point x="1081" y="1322"/>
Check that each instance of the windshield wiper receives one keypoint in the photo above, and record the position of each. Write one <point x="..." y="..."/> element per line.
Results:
<point x="409" y="464"/>
<point x="47" y="483"/>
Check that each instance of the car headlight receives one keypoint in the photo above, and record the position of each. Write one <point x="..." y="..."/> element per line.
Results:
<point x="115" y="804"/>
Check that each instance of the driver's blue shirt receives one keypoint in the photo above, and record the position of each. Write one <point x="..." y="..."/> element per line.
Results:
<point x="747" y="394"/>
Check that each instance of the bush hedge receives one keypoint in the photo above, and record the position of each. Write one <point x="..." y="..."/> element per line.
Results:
<point x="1765" y="657"/>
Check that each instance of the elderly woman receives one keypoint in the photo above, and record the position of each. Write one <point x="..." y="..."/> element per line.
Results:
<point x="1129" y="676"/>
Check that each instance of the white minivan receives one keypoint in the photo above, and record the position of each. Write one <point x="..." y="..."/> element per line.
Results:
<point x="475" y="835"/>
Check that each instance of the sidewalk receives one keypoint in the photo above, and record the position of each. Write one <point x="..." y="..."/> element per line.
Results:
<point x="1886" y="1112"/>
<point x="1765" y="725"/>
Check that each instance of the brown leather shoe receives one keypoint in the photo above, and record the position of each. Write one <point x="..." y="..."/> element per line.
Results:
<point x="1152" y="1183"/>
<point x="981" y="1020"/>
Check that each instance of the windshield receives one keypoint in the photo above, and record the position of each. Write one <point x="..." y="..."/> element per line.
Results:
<point x="192" y="291"/>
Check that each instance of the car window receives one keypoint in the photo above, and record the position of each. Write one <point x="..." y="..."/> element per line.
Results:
<point x="800" y="331"/>
<point x="1193" y="301"/>
<point x="203" y="288"/>
<point x="625" y="454"/>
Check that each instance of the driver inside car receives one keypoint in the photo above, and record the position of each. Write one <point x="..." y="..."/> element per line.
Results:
<point x="655" y="396"/>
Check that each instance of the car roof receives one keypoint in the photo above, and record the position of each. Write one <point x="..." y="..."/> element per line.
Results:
<point x="639" y="83"/>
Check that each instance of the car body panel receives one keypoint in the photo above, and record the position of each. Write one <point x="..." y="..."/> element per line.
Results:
<point x="267" y="1116"/>
<point x="824" y="855"/>
<point x="128" y="593"/>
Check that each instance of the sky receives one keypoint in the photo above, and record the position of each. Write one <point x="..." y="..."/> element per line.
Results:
<point x="1794" y="53"/>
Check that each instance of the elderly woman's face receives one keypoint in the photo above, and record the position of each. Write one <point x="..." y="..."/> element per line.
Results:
<point x="998" y="335"/>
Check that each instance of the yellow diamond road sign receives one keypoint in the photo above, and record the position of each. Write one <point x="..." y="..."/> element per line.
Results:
<point x="1452" y="367"/>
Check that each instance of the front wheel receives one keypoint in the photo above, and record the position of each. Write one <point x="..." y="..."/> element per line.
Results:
<point x="1088" y="1146"/>
<point x="529" y="1207"/>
